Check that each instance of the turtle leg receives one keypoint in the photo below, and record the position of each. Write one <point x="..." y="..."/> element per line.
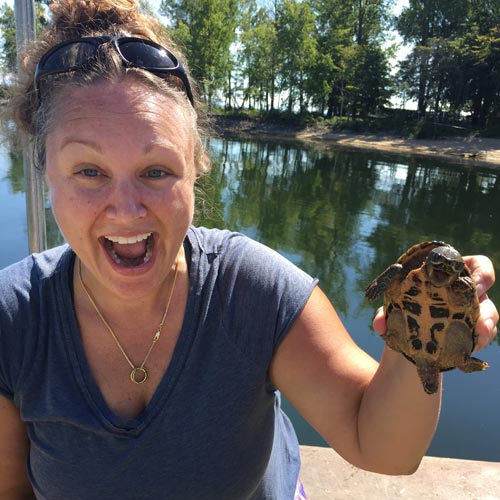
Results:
<point x="429" y="375"/>
<point x="379" y="285"/>
<point x="459" y="345"/>
<point x="473" y="365"/>
<point x="395" y="336"/>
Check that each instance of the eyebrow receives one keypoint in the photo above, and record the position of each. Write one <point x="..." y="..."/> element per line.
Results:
<point x="163" y="144"/>
<point x="84" y="142"/>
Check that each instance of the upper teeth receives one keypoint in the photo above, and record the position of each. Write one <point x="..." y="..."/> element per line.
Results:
<point x="124" y="240"/>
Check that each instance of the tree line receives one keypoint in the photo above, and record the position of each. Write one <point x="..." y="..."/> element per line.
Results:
<point x="333" y="57"/>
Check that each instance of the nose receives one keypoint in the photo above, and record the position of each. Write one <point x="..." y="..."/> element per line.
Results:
<point x="126" y="201"/>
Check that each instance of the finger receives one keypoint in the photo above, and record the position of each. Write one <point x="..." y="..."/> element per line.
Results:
<point x="483" y="272"/>
<point x="379" y="323"/>
<point x="486" y="326"/>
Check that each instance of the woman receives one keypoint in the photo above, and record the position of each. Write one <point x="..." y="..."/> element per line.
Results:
<point x="143" y="360"/>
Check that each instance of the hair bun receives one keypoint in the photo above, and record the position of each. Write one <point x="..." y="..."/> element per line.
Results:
<point x="76" y="18"/>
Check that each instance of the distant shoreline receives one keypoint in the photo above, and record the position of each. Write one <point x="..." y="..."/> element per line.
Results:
<point x="470" y="151"/>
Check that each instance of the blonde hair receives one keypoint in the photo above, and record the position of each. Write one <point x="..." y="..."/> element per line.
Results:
<point x="82" y="18"/>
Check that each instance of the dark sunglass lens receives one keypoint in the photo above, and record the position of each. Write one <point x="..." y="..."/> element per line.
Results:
<point x="75" y="54"/>
<point x="145" y="55"/>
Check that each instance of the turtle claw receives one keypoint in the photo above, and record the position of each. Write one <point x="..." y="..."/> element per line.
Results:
<point x="431" y="387"/>
<point x="473" y="365"/>
<point x="374" y="290"/>
<point x="380" y="284"/>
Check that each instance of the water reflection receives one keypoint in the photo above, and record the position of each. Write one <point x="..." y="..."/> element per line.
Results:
<point x="15" y="175"/>
<point x="341" y="214"/>
<point x="343" y="217"/>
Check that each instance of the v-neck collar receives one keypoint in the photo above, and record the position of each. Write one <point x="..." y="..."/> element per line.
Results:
<point x="81" y="370"/>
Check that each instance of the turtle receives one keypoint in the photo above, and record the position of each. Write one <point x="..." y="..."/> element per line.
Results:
<point x="431" y="307"/>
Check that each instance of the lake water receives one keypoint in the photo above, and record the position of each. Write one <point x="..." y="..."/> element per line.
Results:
<point x="343" y="217"/>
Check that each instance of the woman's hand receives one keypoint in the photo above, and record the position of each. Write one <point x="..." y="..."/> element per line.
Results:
<point x="483" y="275"/>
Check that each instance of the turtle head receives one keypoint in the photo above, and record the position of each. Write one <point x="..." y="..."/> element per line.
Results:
<point x="443" y="266"/>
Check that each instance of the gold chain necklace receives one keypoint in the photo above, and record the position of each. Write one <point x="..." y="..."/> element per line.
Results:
<point x="136" y="370"/>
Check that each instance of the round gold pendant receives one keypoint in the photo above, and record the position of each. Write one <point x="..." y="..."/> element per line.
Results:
<point x="139" y="375"/>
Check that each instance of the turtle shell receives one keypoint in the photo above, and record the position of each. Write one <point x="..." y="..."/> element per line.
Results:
<point x="431" y="307"/>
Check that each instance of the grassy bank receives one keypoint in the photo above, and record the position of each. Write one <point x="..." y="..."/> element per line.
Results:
<point x="394" y="122"/>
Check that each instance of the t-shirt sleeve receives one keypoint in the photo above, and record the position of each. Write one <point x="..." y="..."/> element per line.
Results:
<point x="6" y="389"/>
<point x="24" y="313"/>
<point x="263" y="294"/>
<point x="15" y="294"/>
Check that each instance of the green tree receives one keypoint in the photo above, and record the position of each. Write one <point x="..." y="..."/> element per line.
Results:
<point x="8" y="28"/>
<point x="297" y="49"/>
<point x="481" y="60"/>
<point x="8" y="55"/>
<point x="257" y="57"/>
<point x="482" y="67"/>
<point x="423" y="23"/>
<point x="370" y="85"/>
<point x="334" y="32"/>
<point x="454" y="64"/>
<point x="207" y="29"/>
<point x="371" y="20"/>
<point x="351" y="72"/>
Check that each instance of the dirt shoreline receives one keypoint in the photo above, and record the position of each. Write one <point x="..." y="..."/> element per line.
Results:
<point x="474" y="151"/>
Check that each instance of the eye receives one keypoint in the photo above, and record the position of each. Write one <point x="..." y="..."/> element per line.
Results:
<point x="436" y="261"/>
<point x="89" y="172"/>
<point x="156" y="173"/>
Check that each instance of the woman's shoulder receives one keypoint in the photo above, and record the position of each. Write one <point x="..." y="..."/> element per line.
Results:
<point x="223" y="242"/>
<point x="254" y="283"/>
<point x="26" y="287"/>
<point x="213" y="240"/>
<point x="231" y="251"/>
<point x="20" y="278"/>
<point x="243" y="258"/>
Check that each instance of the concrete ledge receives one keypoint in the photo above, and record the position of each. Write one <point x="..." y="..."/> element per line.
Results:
<point x="326" y="476"/>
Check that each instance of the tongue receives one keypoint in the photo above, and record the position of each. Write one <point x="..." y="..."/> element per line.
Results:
<point x="130" y="250"/>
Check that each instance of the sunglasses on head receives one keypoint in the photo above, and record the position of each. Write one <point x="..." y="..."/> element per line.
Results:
<point x="78" y="54"/>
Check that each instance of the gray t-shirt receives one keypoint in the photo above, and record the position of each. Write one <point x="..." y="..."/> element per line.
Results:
<point x="214" y="428"/>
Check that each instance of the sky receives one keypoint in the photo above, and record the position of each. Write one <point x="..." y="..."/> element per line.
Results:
<point x="399" y="5"/>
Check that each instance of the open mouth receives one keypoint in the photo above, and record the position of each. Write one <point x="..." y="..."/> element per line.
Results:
<point x="130" y="251"/>
<point x="440" y="278"/>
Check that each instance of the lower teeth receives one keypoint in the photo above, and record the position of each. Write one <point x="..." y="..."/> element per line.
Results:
<point x="136" y="261"/>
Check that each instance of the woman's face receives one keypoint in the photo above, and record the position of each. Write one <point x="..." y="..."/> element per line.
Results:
<point x="121" y="173"/>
